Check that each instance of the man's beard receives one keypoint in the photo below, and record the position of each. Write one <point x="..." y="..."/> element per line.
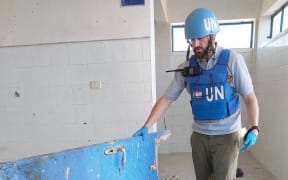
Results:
<point x="200" y="54"/>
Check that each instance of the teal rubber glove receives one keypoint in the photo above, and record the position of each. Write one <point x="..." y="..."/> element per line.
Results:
<point x="143" y="131"/>
<point x="249" y="140"/>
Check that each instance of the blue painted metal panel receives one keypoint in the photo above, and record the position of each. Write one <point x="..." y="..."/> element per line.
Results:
<point x="127" y="159"/>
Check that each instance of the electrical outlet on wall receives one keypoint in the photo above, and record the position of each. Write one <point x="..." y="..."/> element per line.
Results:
<point x="95" y="84"/>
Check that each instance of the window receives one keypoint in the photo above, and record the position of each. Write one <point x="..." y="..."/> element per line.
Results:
<point x="279" y="21"/>
<point x="276" y="28"/>
<point x="285" y="18"/>
<point x="179" y="42"/>
<point x="233" y="34"/>
<point x="236" y="35"/>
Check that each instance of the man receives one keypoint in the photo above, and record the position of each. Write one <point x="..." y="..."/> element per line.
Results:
<point x="215" y="78"/>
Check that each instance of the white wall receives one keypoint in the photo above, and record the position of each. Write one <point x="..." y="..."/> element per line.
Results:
<point x="271" y="88"/>
<point x="34" y="21"/>
<point x="57" y="109"/>
<point x="46" y="102"/>
<point x="270" y="6"/>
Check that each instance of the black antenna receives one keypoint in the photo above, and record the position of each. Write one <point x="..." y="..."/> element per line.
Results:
<point x="188" y="53"/>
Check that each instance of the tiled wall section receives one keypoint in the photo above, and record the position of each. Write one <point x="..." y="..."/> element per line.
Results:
<point x="46" y="102"/>
<point x="280" y="41"/>
<point x="271" y="88"/>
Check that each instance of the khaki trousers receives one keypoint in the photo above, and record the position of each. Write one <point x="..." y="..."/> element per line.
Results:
<point x="215" y="157"/>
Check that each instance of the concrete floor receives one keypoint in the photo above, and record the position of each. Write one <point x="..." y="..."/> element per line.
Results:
<point x="179" y="166"/>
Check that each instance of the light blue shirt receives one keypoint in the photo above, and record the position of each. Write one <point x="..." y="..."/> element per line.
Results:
<point x="241" y="81"/>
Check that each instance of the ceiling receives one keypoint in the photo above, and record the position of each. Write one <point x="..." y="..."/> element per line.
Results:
<point x="173" y="11"/>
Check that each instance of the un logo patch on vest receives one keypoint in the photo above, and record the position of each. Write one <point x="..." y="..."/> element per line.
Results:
<point x="212" y="96"/>
<point x="214" y="93"/>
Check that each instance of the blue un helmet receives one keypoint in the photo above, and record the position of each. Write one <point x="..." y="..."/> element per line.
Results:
<point x="201" y="22"/>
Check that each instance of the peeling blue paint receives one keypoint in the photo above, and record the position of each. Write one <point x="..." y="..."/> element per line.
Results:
<point x="126" y="159"/>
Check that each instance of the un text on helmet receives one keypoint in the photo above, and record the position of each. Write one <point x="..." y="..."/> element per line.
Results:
<point x="210" y="23"/>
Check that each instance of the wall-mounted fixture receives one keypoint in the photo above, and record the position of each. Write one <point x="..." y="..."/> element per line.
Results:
<point x="132" y="2"/>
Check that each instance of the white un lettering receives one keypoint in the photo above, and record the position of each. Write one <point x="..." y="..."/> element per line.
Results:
<point x="210" y="23"/>
<point x="216" y="94"/>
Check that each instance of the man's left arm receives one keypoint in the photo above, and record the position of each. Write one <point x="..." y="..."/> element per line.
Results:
<point x="252" y="108"/>
<point x="244" y="86"/>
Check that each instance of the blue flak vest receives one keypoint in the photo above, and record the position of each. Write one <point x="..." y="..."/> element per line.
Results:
<point x="212" y="97"/>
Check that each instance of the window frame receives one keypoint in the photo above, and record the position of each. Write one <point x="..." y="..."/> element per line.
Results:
<point x="251" y="22"/>
<point x="273" y="16"/>
<point x="285" y="10"/>
<point x="223" y="23"/>
<point x="172" y="36"/>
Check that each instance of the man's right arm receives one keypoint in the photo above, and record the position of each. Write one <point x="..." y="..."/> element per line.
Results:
<point x="158" y="110"/>
<point x="171" y="94"/>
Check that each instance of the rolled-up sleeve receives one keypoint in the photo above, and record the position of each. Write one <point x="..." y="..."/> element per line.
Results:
<point x="242" y="79"/>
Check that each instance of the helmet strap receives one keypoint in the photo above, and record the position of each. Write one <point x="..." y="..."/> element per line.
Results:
<point x="188" y="53"/>
<point x="211" y="46"/>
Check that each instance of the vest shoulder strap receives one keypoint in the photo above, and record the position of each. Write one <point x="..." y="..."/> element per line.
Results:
<point x="224" y="56"/>
<point x="193" y="61"/>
